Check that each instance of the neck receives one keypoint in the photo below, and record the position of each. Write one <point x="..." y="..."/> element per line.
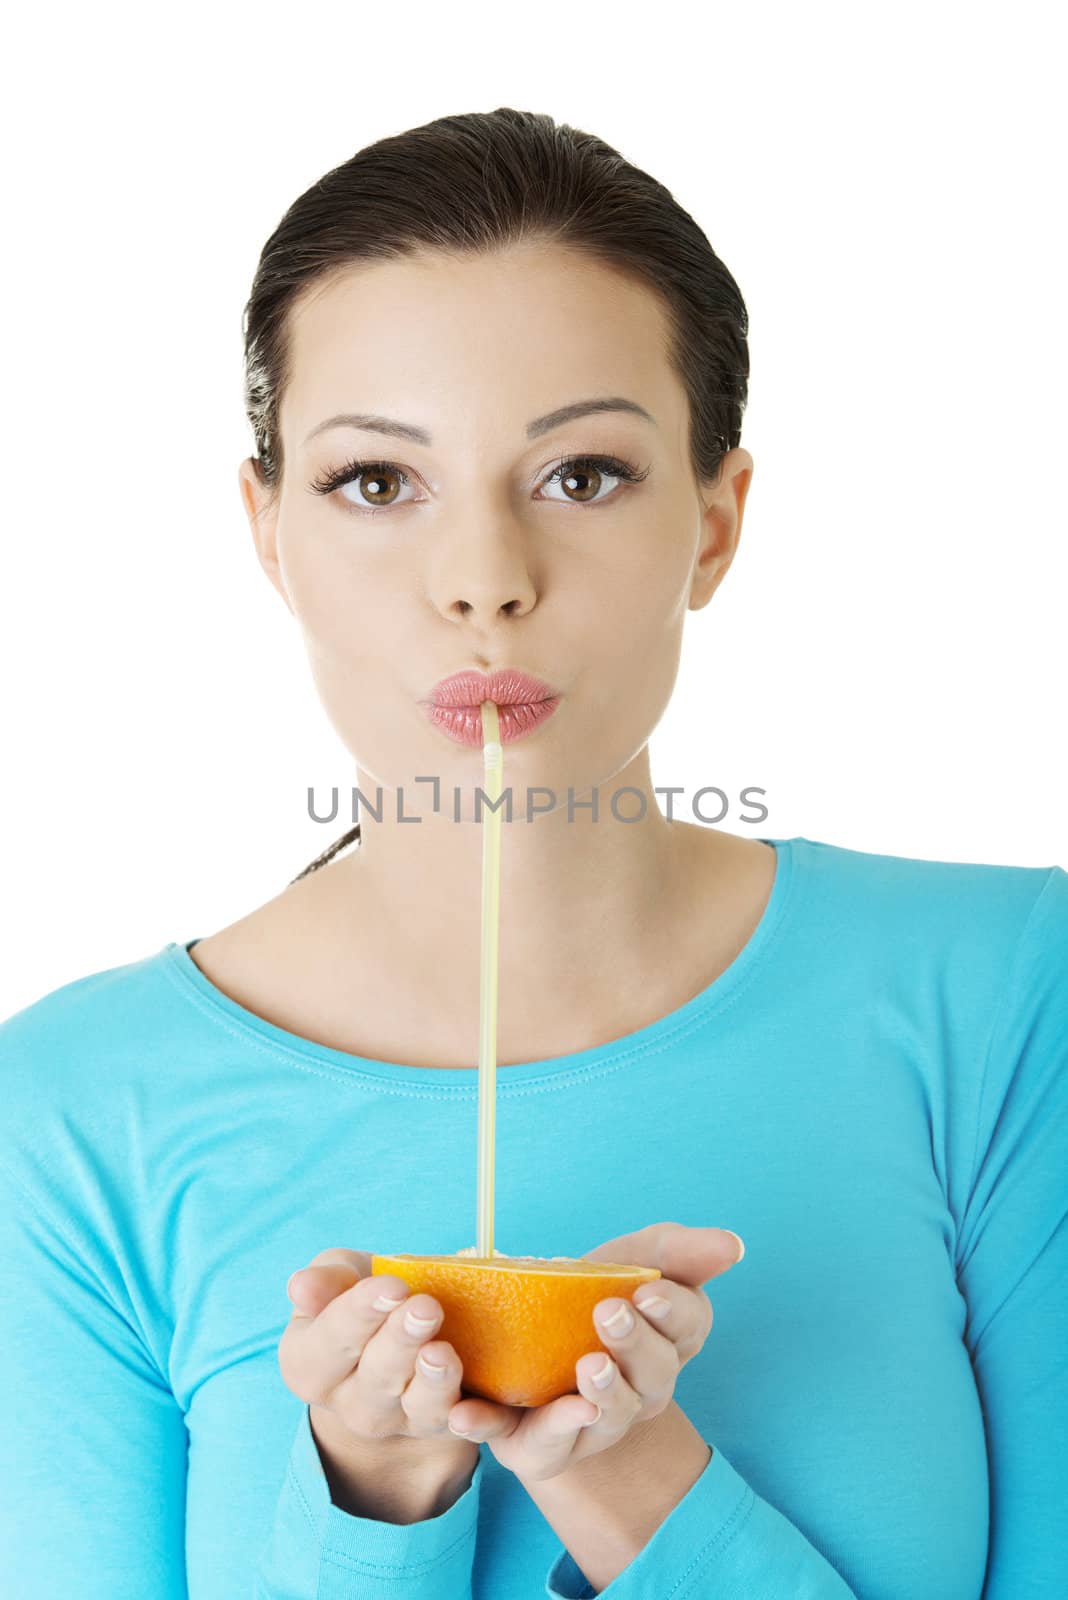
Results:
<point x="585" y="904"/>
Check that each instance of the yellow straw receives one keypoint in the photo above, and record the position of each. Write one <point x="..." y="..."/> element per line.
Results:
<point x="493" y="764"/>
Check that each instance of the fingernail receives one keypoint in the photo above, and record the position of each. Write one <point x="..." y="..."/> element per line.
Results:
<point x="431" y="1368"/>
<point x="655" y="1306"/>
<point x="603" y="1378"/>
<point x="416" y="1325"/>
<point x="741" y="1245"/>
<point x="385" y="1303"/>
<point x="619" y="1323"/>
<point x="590" y="1422"/>
<point x="458" y="1432"/>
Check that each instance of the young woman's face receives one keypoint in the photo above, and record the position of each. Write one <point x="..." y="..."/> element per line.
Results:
<point x="463" y="552"/>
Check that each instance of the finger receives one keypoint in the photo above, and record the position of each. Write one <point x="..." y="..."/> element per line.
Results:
<point x="677" y="1313"/>
<point x="687" y="1255"/>
<point x="541" y="1437"/>
<point x="318" y="1353"/>
<point x="485" y="1419"/>
<point x="388" y="1364"/>
<point x="601" y="1380"/>
<point x="649" y="1362"/>
<point x="434" y="1388"/>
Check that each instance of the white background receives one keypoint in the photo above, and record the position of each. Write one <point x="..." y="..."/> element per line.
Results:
<point x="887" y="655"/>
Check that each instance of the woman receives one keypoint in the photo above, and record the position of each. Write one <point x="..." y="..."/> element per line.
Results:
<point x="496" y="376"/>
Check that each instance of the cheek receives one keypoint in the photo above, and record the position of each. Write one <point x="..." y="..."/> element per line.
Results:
<point x="355" y="679"/>
<point x="347" y="611"/>
<point x="634" y="622"/>
<point x="638" y="652"/>
<point x="356" y="632"/>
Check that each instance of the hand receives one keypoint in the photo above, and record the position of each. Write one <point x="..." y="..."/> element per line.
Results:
<point x="539" y="1442"/>
<point x="360" y="1369"/>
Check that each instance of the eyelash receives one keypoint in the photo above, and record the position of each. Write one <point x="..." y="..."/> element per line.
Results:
<point x="612" y="466"/>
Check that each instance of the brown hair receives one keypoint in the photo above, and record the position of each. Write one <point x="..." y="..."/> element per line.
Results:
<point x="475" y="183"/>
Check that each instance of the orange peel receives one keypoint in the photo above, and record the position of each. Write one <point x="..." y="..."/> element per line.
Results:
<point x="518" y="1323"/>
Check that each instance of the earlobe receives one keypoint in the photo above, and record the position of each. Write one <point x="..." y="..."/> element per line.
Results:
<point x="706" y="581"/>
<point x="713" y="559"/>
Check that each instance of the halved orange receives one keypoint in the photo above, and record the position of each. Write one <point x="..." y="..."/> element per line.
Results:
<point x="518" y="1323"/>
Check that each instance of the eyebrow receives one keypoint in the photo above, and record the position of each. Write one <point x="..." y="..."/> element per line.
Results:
<point x="370" y="423"/>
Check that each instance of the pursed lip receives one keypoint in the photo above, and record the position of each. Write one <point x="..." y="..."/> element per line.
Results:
<point x="505" y="687"/>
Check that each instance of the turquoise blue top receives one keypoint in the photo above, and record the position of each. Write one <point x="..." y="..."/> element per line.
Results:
<point x="874" y="1095"/>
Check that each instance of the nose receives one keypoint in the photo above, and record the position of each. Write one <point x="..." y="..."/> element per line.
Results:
<point x="485" y="580"/>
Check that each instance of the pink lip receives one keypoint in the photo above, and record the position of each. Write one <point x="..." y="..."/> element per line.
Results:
<point x="522" y="704"/>
<point x="505" y="688"/>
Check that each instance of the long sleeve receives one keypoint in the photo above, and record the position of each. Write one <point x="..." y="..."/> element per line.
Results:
<point x="319" y="1552"/>
<point x="92" y="1442"/>
<point x="722" y="1539"/>
<point x="1013" y="1266"/>
<point x="93" y="1455"/>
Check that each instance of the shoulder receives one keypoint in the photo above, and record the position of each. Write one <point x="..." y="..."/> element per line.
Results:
<point x="934" y="903"/>
<point x="72" y="1061"/>
<point x="952" y="951"/>
<point x="95" y="1011"/>
<point x="962" y="968"/>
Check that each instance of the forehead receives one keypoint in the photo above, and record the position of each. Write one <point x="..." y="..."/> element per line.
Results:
<point x="439" y="338"/>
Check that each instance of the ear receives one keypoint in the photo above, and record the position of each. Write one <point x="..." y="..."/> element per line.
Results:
<point x="721" y="525"/>
<point x="263" y="520"/>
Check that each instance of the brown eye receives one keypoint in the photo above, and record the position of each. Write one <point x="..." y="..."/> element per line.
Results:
<point x="588" y="480"/>
<point x="581" y="477"/>
<point x="383" y="481"/>
<point x="376" y="485"/>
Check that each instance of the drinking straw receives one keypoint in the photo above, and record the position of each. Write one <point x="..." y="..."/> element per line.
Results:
<point x="493" y="766"/>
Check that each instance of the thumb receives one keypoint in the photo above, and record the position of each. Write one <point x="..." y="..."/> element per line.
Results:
<point x="687" y="1255"/>
<point x="694" y="1255"/>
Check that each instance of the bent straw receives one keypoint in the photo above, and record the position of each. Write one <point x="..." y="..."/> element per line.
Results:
<point x="493" y="767"/>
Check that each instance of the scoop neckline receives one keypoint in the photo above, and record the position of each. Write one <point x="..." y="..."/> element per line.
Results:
<point x="725" y="987"/>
